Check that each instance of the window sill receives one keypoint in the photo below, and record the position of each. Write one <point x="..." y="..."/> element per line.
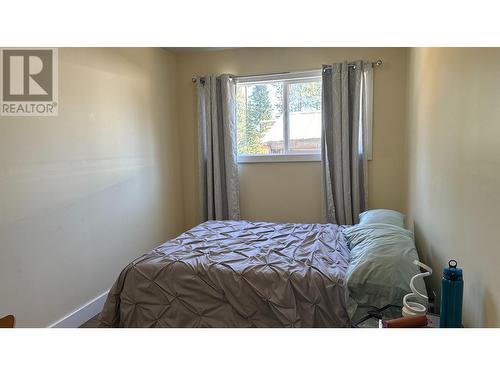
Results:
<point x="279" y="158"/>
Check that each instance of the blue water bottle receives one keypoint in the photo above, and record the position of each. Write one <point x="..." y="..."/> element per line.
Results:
<point x="452" y="289"/>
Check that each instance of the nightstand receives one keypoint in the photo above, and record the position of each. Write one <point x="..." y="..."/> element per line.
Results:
<point x="373" y="317"/>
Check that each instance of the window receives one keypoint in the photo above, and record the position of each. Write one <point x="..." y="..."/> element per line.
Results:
<point x="279" y="117"/>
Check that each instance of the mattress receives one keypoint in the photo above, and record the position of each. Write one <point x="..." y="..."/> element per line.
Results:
<point x="236" y="274"/>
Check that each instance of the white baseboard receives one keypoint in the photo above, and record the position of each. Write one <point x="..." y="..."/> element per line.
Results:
<point x="82" y="314"/>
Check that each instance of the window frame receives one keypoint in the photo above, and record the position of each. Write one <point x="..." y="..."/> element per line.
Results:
<point x="286" y="79"/>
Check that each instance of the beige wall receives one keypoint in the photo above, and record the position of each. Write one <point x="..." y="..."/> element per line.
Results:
<point x="291" y="192"/>
<point x="454" y="164"/>
<point x="85" y="192"/>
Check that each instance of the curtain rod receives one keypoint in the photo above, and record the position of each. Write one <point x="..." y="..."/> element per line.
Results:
<point x="351" y="65"/>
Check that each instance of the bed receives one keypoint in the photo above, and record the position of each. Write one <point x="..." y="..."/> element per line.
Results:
<point x="236" y="274"/>
<point x="259" y="274"/>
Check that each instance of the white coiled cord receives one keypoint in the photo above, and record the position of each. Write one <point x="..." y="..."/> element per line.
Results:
<point x="411" y="308"/>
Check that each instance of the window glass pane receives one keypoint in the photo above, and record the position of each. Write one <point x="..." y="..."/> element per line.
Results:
<point x="304" y="117"/>
<point x="260" y="119"/>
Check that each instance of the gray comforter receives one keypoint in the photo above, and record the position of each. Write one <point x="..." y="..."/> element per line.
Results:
<point x="236" y="274"/>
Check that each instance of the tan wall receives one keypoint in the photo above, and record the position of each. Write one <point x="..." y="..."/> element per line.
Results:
<point x="454" y="164"/>
<point x="85" y="192"/>
<point x="291" y="192"/>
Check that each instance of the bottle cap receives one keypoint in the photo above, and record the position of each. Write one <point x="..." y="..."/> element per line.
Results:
<point x="452" y="272"/>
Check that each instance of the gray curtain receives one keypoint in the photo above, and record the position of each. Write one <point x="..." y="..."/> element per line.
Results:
<point x="346" y="110"/>
<point x="218" y="169"/>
